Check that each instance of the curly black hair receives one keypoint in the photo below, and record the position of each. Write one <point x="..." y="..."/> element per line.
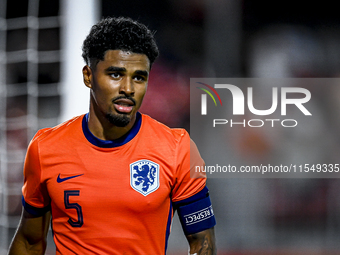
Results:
<point x="118" y="34"/>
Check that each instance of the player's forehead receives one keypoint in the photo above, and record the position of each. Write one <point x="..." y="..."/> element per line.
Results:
<point x="121" y="58"/>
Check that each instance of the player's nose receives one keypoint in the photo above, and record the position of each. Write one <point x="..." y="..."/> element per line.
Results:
<point x="127" y="87"/>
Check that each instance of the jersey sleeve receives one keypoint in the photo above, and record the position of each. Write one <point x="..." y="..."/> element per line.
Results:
<point x="35" y="196"/>
<point x="187" y="183"/>
<point x="190" y="195"/>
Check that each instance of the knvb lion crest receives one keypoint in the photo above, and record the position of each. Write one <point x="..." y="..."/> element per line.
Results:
<point x="144" y="176"/>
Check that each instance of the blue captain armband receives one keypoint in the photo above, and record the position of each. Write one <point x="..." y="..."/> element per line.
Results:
<point x="196" y="215"/>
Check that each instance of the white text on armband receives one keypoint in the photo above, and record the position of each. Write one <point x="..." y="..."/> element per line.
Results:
<point x="199" y="216"/>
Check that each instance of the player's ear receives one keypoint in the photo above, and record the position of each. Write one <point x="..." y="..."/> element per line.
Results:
<point x="87" y="76"/>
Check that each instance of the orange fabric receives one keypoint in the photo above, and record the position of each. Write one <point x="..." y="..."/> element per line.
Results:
<point x="116" y="218"/>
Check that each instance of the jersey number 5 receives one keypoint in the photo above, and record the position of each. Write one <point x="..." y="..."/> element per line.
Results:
<point x="68" y="205"/>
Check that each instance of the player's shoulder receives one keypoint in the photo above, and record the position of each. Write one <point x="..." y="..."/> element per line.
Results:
<point x="49" y="132"/>
<point x="160" y="129"/>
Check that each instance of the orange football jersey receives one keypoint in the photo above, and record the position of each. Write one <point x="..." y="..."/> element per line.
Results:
<point x="110" y="197"/>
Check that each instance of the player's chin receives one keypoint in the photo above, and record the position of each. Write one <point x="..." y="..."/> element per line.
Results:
<point x="119" y="119"/>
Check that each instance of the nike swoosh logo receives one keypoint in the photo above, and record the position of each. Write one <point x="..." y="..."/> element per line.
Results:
<point x="59" y="180"/>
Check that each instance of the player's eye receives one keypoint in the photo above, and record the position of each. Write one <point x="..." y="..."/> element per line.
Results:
<point x="115" y="75"/>
<point x="139" y="78"/>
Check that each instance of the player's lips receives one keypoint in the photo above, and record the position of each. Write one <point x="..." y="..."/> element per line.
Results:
<point x="124" y="105"/>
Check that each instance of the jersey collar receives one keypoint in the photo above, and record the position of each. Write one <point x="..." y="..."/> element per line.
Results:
<point x="111" y="143"/>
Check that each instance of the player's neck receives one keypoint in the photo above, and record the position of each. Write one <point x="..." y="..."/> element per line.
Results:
<point x="104" y="130"/>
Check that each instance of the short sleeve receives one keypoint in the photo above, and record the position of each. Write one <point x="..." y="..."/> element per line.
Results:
<point x="188" y="157"/>
<point x="35" y="196"/>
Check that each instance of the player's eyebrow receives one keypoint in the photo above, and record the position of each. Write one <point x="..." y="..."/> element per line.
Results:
<point x="123" y="69"/>
<point x="142" y="73"/>
<point x="115" y="69"/>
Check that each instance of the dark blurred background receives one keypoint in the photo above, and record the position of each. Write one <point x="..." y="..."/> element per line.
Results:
<point x="41" y="85"/>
